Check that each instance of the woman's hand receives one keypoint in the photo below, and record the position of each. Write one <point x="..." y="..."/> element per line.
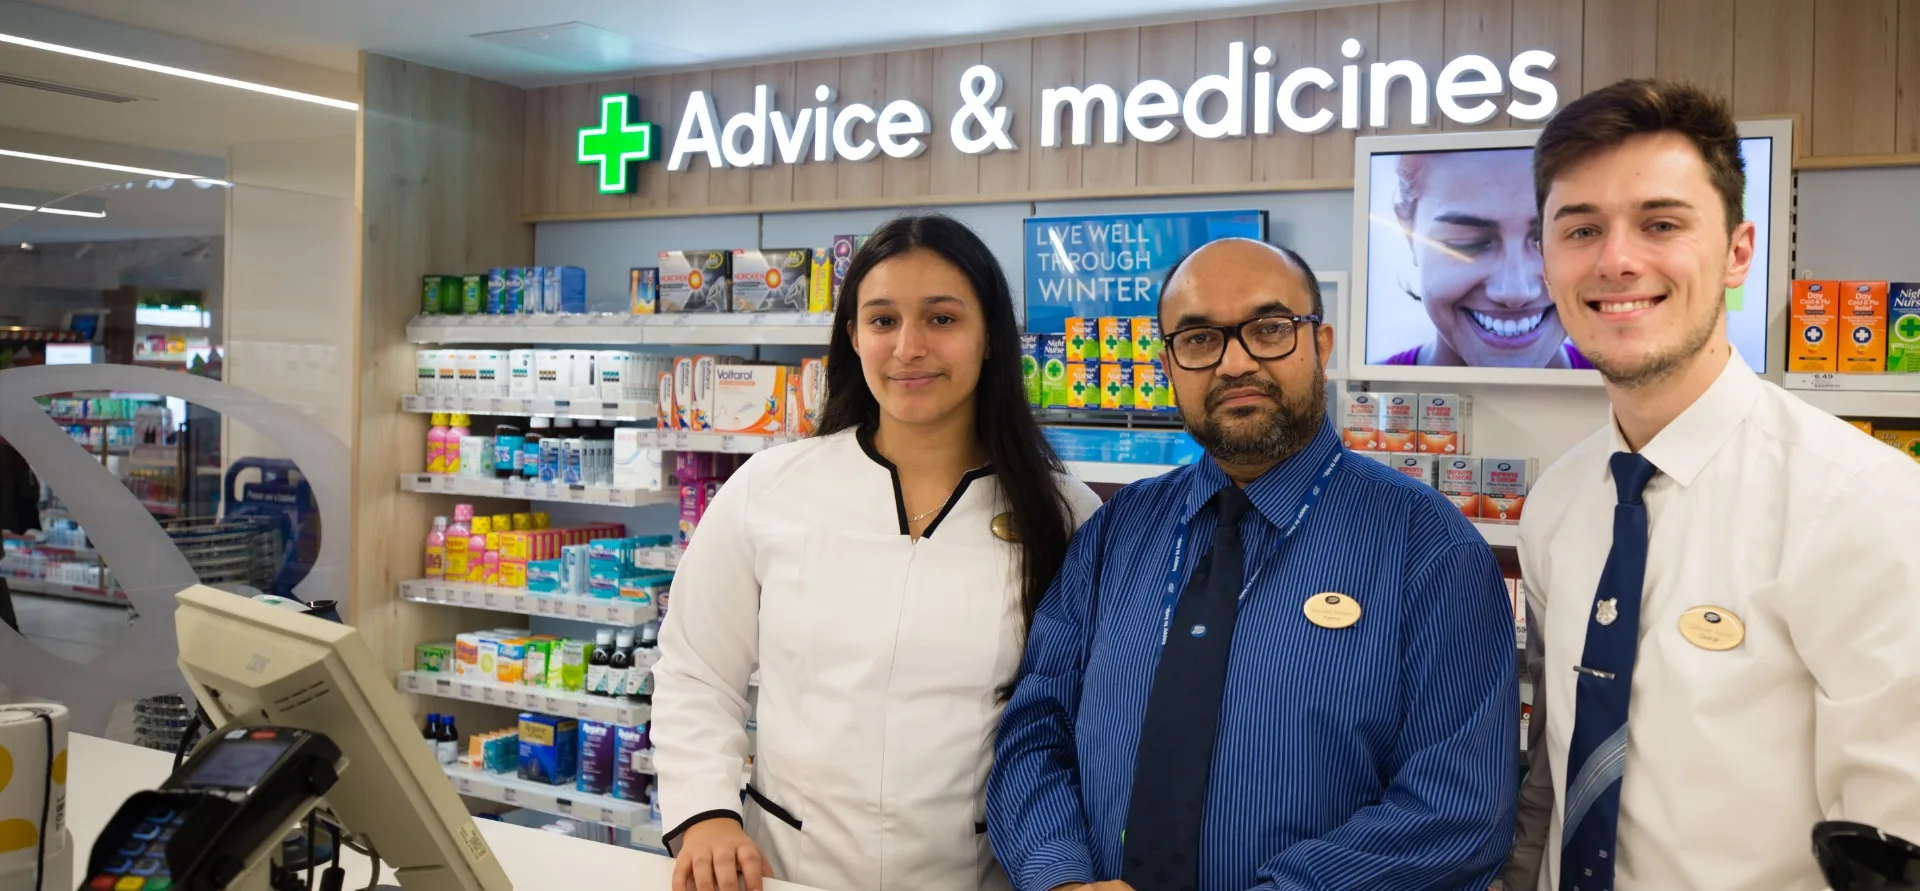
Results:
<point x="718" y="855"/>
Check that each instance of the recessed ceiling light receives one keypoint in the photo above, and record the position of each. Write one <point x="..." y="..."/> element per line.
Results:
<point x="179" y="72"/>
<point x="102" y="165"/>
<point x="90" y="214"/>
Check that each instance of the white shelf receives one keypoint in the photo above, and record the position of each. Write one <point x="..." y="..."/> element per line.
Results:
<point x="1859" y="395"/>
<point x="1116" y="472"/>
<point x="594" y="410"/>
<point x="1499" y="535"/>
<point x="445" y="484"/>
<point x="519" y="600"/>
<point x="561" y="703"/>
<point x="564" y="800"/>
<point x="69" y="592"/>
<point x="688" y="329"/>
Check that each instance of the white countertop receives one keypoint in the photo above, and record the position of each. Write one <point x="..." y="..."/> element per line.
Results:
<point x="103" y="774"/>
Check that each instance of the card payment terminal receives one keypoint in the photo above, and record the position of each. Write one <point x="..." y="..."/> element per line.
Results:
<point x="218" y="817"/>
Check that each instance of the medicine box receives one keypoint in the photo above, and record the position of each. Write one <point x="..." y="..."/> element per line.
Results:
<point x="1083" y="385"/>
<point x="1419" y="467"/>
<point x="643" y="290"/>
<point x="586" y="380"/>
<point x="843" y="249"/>
<point x="636" y="465"/>
<point x="552" y="374"/>
<point x="813" y="394"/>
<point x="446" y="372"/>
<point x="1863" y="318"/>
<point x="1459" y="480"/>
<point x="549" y="748"/>
<point x="1082" y="340"/>
<point x="1030" y="367"/>
<point x="596" y="758"/>
<point x="430" y="295"/>
<point x="1116" y="386"/>
<point x="433" y="657"/>
<point x="1504" y="483"/>
<point x="1863" y="426"/>
<point x="1907" y="441"/>
<point x="424" y="383"/>
<point x="750" y="399"/>
<point x="1360" y="422"/>
<point x="700" y="394"/>
<point x="1444" y="421"/>
<point x="1116" y="340"/>
<point x="1146" y="339"/>
<point x="1813" y="341"/>
<point x="1053" y="370"/>
<point x="683" y="392"/>
<point x="573" y="666"/>
<point x="820" y="281"/>
<point x="1399" y="421"/>
<point x="520" y="381"/>
<point x="771" y="280"/>
<point x="629" y="784"/>
<point x="666" y="410"/>
<point x="565" y="288"/>
<point x="1903" y="327"/>
<point x="695" y="281"/>
<point x="1150" y="389"/>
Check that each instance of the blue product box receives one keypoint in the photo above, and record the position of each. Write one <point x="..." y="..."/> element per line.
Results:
<point x="567" y="288"/>
<point x="1903" y="328"/>
<point x="596" y="758"/>
<point x="546" y="577"/>
<point x="497" y="287"/>
<point x="603" y="586"/>
<point x="629" y="784"/>
<point x="549" y="748"/>
<point x="511" y="294"/>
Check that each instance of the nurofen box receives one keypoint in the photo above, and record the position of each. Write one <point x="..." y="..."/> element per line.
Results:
<point x="1053" y="371"/>
<point x="643" y="290"/>
<point x="1030" y="367"/>
<point x="1116" y="340"/>
<point x="667" y="412"/>
<point x="1146" y="339"/>
<point x="683" y="392"/>
<point x="696" y="281"/>
<point x="1903" y="327"/>
<point x="843" y="249"/>
<point x="1082" y="340"/>
<point x="1459" y="480"/>
<point x="1813" y="341"/>
<point x="1444" y="419"/>
<point x="1116" y="386"/>
<point x="812" y="391"/>
<point x="700" y="417"/>
<point x="1360" y="422"/>
<point x="1419" y="467"/>
<point x="1083" y="385"/>
<point x="1503" y="488"/>
<point x="1150" y="387"/>
<point x="1399" y="422"/>
<point x="750" y="399"/>
<point x="820" y="281"/>
<point x="1863" y="319"/>
<point x="772" y="280"/>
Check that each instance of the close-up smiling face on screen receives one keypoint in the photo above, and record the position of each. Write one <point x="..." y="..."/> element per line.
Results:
<point x="1473" y="233"/>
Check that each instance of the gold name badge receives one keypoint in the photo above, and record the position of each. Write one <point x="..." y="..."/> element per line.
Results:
<point x="1712" y="628"/>
<point x="1003" y="528"/>
<point x="1331" y="610"/>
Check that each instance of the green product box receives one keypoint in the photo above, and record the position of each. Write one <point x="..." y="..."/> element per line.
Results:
<point x="430" y="302"/>
<point x="1903" y="327"/>
<point x="573" y="665"/>
<point x="473" y="301"/>
<point x="539" y="660"/>
<point x="433" y="657"/>
<point x="1053" y="371"/>
<point x="1030" y="367"/>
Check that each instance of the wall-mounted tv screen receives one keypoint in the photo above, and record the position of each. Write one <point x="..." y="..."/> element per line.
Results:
<point x="1447" y="253"/>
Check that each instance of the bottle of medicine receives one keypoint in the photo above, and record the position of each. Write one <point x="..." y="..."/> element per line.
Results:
<point x="437" y="549"/>
<point x="437" y="444"/>
<point x="447" y="744"/>
<point x="620" y="664"/>
<point x="457" y="431"/>
<point x="508" y="443"/>
<point x="599" y="660"/>
<point x="530" y="448"/>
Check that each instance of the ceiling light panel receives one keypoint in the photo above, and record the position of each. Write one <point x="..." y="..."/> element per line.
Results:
<point x="178" y="72"/>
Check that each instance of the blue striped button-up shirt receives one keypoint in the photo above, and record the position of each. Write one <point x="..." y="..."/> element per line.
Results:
<point x="1381" y="756"/>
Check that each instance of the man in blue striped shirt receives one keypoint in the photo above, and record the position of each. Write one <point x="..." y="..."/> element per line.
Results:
<point x="1285" y="667"/>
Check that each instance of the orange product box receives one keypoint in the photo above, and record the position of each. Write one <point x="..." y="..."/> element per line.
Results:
<point x="1083" y="340"/>
<point x="812" y="394"/>
<point x="1863" y="426"/>
<point x="1445" y="419"/>
<point x="1863" y="319"/>
<point x="1812" y="344"/>
<point x="666" y="409"/>
<point x="1360" y="422"/>
<point x="1503" y="488"/>
<point x="1460" y="481"/>
<point x="1399" y="421"/>
<point x="1905" y="440"/>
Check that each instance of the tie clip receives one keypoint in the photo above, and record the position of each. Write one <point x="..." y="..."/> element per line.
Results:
<point x="1595" y="672"/>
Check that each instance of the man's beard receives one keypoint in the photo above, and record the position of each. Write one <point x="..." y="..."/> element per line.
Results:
<point x="1263" y="436"/>
<point x="1660" y="365"/>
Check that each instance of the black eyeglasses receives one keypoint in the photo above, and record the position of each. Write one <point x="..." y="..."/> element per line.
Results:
<point x="1201" y="347"/>
<point x="1856" y="857"/>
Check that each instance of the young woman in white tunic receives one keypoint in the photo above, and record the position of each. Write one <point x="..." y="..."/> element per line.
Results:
<point x="881" y="575"/>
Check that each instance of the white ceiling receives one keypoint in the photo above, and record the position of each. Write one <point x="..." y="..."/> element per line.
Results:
<point x="657" y="35"/>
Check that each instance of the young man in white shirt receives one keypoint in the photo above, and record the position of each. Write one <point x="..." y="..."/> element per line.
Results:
<point x="1725" y="582"/>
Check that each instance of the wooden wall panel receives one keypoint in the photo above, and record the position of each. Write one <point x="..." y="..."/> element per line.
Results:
<point x="732" y="94"/>
<point x="651" y="191"/>
<point x="1696" y="43"/>
<point x="1415" y="30"/>
<point x="576" y="183"/>
<point x="911" y="74"/>
<point x="1559" y="26"/>
<point x="1482" y="27"/>
<point x="1112" y="58"/>
<point x="815" y="181"/>
<point x="1773" y="60"/>
<point x="1167" y="53"/>
<point x="1284" y="156"/>
<point x="1004" y="173"/>
<point x="1620" y="40"/>
<point x="688" y="187"/>
<point x="1056" y="61"/>
<point x="1853" y="77"/>
<point x="1222" y="160"/>
<point x="773" y="184"/>
<point x="1907" y="80"/>
<point x="954" y="172"/>
<point x="541" y="172"/>
<point x="1333" y="150"/>
<point x="862" y="79"/>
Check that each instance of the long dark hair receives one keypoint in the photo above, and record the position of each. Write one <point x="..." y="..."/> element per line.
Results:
<point x="1002" y="421"/>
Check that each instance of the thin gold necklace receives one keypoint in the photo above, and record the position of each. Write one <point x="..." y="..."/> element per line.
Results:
<point x="918" y="517"/>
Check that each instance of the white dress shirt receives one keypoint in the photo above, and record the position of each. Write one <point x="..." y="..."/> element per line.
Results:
<point x="880" y="655"/>
<point x="1796" y="523"/>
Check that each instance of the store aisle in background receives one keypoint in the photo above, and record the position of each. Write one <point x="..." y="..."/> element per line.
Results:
<point x="77" y="631"/>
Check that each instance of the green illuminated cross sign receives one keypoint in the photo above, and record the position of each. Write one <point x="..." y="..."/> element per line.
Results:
<point x="617" y="143"/>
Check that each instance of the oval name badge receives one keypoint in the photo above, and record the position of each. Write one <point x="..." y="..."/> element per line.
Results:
<point x="1003" y="528"/>
<point x="1332" y="610"/>
<point x="1712" y="628"/>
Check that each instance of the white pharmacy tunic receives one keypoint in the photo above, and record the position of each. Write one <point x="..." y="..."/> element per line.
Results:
<point x="1796" y="529"/>
<point x="880" y="659"/>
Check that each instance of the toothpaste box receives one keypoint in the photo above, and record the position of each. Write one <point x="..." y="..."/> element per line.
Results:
<point x="1459" y="480"/>
<point x="1083" y="385"/>
<point x="1399" y="421"/>
<point x="1419" y="467"/>
<point x="1030" y="367"/>
<point x="1504" y="483"/>
<point x="700" y="394"/>
<point x="1903" y="327"/>
<point x="750" y="399"/>
<point x="812" y="393"/>
<point x="695" y="281"/>
<point x="1053" y="370"/>
<point x="820" y="281"/>
<point x="1150" y="390"/>
<point x="771" y="280"/>
<point x="643" y="290"/>
<point x="549" y="748"/>
<point x="1813" y="342"/>
<point x="1146" y="339"/>
<point x="1863" y="318"/>
<point x="683" y="392"/>
<point x="1116" y="386"/>
<point x="844" y="247"/>
<point x="1444" y="419"/>
<point x="1360" y="422"/>
<point x="1116" y="340"/>
<point x="596" y="758"/>
<point x="1083" y="340"/>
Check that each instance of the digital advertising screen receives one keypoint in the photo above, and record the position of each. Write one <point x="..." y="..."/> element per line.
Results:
<point x="1112" y="265"/>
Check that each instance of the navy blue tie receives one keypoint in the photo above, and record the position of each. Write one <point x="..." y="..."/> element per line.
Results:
<point x="1597" y="759"/>
<point x="1162" y="842"/>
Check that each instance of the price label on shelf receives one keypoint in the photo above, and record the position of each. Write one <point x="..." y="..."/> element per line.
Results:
<point x="522" y="604"/>
<point x="489" y="696"/>
<point x="576" y="494"/>
<point x="682" y="442"/>
<point x="610" y="409"/>
<point x="509" y="795"/>
<point x="465" y="786"/>
<point x="443" y="688"/>
<point x="551" y="492"/>
<point x="447" y="484"/>
<point x="423" y="482"/>
<point x="1825" y="381"/>
<point x="542" y="606"/>
<point x="470" y="693"/>
<point x="563" y="807"/>
<point x="497" y="404"/>
<point x="583" y="611"/>
<point x="759" y="318"/>
<point x="617" y="496"/>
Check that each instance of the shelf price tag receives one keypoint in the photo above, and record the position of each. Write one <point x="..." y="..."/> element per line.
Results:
<point x="509" y="795"/>
<point x="447" y="484"/>
<point x="489" y="696"/>
<point x="465" y="786"/>
<point x="499" y="405"/>
<point x="542" y="606"/>
<point x="1825" y="381"/>
<point x="522" y="604"/>
<point x="563" y="807"/>
<point x="423" y="483"/>
<point x="617" y="496"/>
<point x="469" y="693"/>
<point x="487" y="599"/>
<point x="583" y="610"/>
<point x="576" y="493"/>
<point x="443" y="688"/>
